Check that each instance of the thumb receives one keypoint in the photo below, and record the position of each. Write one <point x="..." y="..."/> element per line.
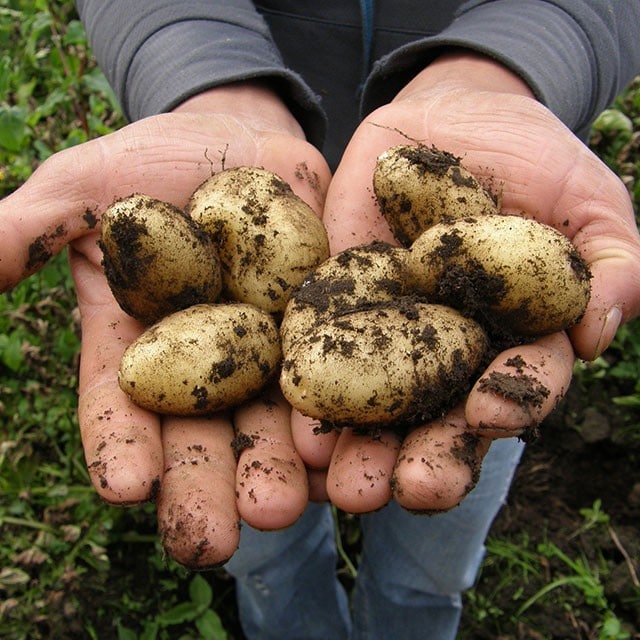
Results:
<point x="47" y="212"/>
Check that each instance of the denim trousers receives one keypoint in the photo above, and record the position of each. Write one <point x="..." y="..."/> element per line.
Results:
<point x="411" y="575"/>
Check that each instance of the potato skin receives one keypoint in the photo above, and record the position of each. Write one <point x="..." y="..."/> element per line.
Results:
<point x="525" y="274"/>
<point x="396" y="364"/>
<point x="268" y="238"/>
<point x="156" y="259"/>
<point x="418" y="186"/>
<point x="202" y="359"/>
<point x="356" y="278"/>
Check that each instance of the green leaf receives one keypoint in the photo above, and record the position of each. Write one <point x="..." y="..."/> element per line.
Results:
<point x="200" y="592"/>
<point x="75" y="34"/>
<point x="150" y="631"/>
<point x="96" y="83"/>
<point x="11" y="351"/>
<point x="183" y="612"/>
<point x="14" y="132"/>
<point x="126" y="634"/>
<point x="612" y="121"/>
<point x="210" y="626"/>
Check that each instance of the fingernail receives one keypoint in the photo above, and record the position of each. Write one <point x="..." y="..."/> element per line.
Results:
<point x="610" y="326"/>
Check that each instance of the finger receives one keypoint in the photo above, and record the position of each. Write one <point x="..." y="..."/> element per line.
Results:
<point x="613" y="254"/>
<point x="122" y="442"/>
<point x="521" y="387"/>
<point x="314" y="444"/>
<point x="359" y="477"/>
<point x="65" y="196"/>
<point x="438" y="465"/>
<point x="317" y="485"/>
<point x="271" y="479"/>
<point x="351" y="214"/>
<point x="197" y="513"/>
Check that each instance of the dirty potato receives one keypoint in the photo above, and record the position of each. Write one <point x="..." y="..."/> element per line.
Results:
<point x="396" y="364"/>
<point x="356" y="278"/>
<point x="202" y="359"/>
<point x="268" y="238"/>
<point x="417" y="186"/>
<point x="517" y="272"/>
<point x="156" y="259"/>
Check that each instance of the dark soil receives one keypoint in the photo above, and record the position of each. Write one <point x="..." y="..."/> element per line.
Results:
<point x="582" y="455"/>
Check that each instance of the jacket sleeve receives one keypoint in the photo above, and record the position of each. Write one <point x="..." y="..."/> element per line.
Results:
<point x="576" y="55"/>
<point x="157" y="53"/>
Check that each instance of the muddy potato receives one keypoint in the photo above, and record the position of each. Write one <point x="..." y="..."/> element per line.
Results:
<point x="156" y="259"/>
<point x="526" y="275"/>
<point x="268" y="238"/>
<point x="356" y="278"/>
<point x="417" y="186"/>
<point x="395" y="364"/>
<point x="201" y="359"/>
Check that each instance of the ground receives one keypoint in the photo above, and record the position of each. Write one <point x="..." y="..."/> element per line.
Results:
<point x="580" y="457"/>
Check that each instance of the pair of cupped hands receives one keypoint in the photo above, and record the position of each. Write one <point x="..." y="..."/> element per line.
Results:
<point x="462" y="103"/>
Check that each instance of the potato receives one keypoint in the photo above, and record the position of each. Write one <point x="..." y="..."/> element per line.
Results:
<point x="397" y="363"/>
<point x="268" y="238"/>
<point x="417" y="186"/>
<point x="201" y="359"/>
<point x="526" y="275"/>
<point x="156" y="259"/>
<point x="353" y="279"/>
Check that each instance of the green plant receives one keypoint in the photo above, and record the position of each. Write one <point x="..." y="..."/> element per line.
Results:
<point x="196" y="610"/>
<point x="53" y="94"/>
<point x="615" y="137"/>
<point x="540" y="581"/>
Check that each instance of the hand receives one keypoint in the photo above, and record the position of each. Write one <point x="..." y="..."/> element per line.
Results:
<point x="132" y="454"/>
<point x="478" y="110"/>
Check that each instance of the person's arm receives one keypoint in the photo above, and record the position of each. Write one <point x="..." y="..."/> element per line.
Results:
<point x="158" y="53"/>
<point x="575" y="55"/>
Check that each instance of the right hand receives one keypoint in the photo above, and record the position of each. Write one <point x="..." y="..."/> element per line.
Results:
<point x="134" y="455"/>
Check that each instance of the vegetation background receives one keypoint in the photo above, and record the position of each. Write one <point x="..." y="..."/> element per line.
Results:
<point x="562" y="560"/>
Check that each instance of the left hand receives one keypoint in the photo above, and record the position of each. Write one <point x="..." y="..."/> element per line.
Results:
<point x="476" y="109"/>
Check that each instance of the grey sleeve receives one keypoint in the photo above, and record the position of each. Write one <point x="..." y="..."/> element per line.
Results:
<point x="576" y="55"/>
<point x="156" y="53"/>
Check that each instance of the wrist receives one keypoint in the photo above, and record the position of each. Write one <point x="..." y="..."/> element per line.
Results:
<point x="251" y="101"/>
<point x="465" y="69"/>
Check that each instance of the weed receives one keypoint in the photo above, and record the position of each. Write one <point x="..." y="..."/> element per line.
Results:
<point x="197" y="610"/>
<point x="54" y="95"/>
<point x="545" y="583"/>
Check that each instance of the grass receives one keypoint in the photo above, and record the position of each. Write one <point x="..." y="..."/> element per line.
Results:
<point x="71" y="566"/>
<point x="540" y="579"/>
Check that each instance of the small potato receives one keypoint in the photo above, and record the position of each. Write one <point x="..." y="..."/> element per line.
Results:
<point x="418" y="186"/>
<point x="202" y="359"/>
<point x="527" y="275"/>
<point x="268" y="238"/>
<point x="156" y="259"/>
<point x="356" y="278"/>
<point x="399" y="364"/>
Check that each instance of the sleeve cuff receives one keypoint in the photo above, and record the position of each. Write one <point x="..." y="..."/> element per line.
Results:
<point x="539" y="41"/>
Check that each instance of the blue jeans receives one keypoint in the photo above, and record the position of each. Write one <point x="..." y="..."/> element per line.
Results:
<point x="412" y="572"/>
